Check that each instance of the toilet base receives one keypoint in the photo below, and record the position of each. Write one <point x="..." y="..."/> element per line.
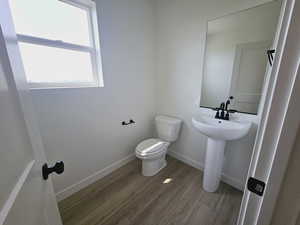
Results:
<point x="150" y="167"/>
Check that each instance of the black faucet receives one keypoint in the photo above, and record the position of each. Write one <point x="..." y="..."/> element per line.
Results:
<point x="218" y="115"/>
<point x="224" y="108"/>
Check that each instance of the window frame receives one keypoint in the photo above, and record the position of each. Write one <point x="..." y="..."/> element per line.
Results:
<point x="94" y="49"/>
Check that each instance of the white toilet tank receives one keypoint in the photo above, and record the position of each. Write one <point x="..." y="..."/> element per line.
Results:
<point x="167" y="128"/>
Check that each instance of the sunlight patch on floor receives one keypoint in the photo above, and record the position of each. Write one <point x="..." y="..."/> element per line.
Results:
<point x="168" y="180"/>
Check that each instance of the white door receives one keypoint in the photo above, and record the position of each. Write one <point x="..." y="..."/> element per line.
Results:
<point x="25" y="197"/>
<point x="248" y="75"/>
<point x="279" y="120"/>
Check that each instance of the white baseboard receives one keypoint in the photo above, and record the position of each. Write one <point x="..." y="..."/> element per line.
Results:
<point x="186" y="160"/>
<point x="92" y="178"/>
<point x="198" y="165"/>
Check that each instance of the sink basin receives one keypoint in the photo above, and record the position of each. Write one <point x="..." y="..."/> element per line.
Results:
<point x="221" y="129"/>
<point x="218" y="132"/>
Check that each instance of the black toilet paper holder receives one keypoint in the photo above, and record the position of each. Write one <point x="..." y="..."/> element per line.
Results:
<point x="124" y="123"/>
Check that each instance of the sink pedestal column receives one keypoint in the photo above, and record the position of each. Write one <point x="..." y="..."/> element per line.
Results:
<point x="213" y="164"/>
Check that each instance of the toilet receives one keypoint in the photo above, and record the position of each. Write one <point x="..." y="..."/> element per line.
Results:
<point x="153" y="151"/>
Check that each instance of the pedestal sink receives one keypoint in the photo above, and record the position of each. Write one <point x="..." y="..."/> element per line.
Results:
<point x="218" y="132"/>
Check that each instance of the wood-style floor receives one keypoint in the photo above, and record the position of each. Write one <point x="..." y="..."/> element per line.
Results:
<point x="172" y="197"/>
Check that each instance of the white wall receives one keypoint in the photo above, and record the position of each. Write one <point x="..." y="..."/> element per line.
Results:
<point x="181" y="30"/>
<point x="82" y="127"/>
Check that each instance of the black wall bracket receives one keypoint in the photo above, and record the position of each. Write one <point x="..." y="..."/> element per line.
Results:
<point x="270" y="56"/>
<point x="124" y="123"/>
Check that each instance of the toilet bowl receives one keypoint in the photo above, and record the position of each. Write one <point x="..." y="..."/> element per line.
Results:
<point x="153" y="151"/>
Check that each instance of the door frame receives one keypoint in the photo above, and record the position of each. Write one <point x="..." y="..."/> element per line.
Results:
<point x="281" y="111"/>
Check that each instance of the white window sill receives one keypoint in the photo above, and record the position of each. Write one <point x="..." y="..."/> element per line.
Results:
<point x="49" y="86"/>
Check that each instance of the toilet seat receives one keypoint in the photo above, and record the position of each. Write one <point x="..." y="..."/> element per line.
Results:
<point x="151" y="148"/>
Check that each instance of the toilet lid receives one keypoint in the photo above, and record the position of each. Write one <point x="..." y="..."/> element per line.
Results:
<point x="150" y="146"/>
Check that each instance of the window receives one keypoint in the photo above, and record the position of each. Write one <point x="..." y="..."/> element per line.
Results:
<point x="59" y="42"/>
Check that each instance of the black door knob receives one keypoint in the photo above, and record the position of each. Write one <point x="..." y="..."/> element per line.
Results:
<point x="58" y="168"/>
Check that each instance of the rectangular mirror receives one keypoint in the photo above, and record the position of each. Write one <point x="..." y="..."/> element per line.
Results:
<point x="235" y="61"/>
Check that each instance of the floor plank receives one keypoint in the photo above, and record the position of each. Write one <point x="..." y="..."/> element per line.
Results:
<point x="172" y="197"/>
